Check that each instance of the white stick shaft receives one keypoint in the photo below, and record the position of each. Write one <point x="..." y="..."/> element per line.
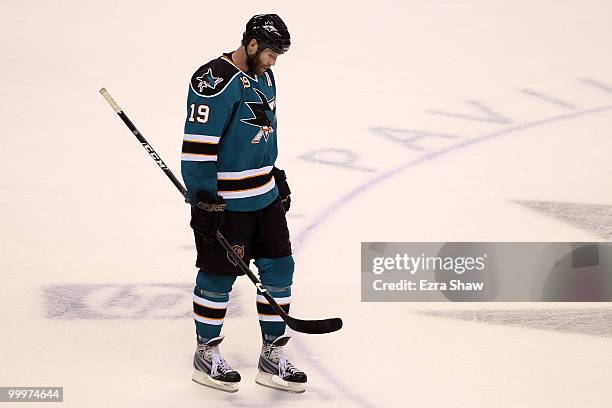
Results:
<point x="110" y="100"/>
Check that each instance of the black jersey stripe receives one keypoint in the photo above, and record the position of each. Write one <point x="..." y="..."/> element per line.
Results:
<point x="208" y="312"/>
<point x="266" y="309"/>
<point x="209" y="149"/>
<point x="244" y="184"/>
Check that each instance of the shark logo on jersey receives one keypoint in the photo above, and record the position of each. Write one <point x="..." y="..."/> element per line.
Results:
<point x="208" y="80"/>
<point x="263" y="114"/>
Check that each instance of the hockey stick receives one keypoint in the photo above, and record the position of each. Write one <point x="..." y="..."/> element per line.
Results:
<point x="302" y="326"/>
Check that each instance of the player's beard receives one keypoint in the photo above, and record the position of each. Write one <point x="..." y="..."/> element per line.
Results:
<point x="255" y="64"/>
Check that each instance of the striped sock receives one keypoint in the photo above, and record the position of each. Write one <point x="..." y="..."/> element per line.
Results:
<point x="272" y="326"/>
<point x="210" y="299"/>
<point x="209" y="310"/>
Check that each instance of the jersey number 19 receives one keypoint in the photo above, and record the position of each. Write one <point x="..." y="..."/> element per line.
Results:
<point x="202" y="113"/>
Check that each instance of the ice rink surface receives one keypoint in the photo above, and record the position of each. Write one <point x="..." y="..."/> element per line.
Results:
<point x="399" y="121"/>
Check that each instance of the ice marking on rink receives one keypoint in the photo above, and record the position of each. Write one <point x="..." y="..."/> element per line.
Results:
<point x="596" y="219"/>
<point x="427" y="157"/>
<point x="320" y="218"/>
<point x="123" y="301"/>
<point x="591" y="321"/>
<point x="490" y="115"/>
<point x="408" y="137"/>
<point x="547" y="98"/>
<point x="596" y="84"/>
<point x="336" y="157"/>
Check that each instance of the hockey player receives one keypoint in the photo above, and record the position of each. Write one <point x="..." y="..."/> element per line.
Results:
<point x="228" y="155"/>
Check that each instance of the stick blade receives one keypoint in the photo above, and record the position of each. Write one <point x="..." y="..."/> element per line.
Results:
<point x="314" y="326"/>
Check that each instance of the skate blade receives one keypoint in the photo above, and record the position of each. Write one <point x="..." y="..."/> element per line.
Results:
<point x="204" y="379"/>
<point x="274" y="381"/>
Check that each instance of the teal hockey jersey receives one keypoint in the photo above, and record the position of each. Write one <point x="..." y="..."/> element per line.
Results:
<point x="229" y="145"/>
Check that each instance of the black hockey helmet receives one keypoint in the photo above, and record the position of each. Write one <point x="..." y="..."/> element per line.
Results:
<point x="270" y="31"/>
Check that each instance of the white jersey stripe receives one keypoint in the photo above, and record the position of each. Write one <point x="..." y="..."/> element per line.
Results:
<point x="198" y="157"/>
<point x="280" y="300"/>
<point x="248" y="193"/>
<point x="203" y="319"/>
<point x="267" y="318"/>
<point x="201" y="138"/>
<point x="239" y="175"/>
<point x="209" y="303"/>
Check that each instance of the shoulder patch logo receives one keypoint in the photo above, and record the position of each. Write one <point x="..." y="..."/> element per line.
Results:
<point x="208" y="80"/>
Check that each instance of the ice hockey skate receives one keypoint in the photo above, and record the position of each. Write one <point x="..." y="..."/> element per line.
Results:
<point x="275" y="371"/>
<point x="211" y="369"/>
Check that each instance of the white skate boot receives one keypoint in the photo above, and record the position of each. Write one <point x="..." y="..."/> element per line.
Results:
<point x="211" y="369"/>
<point x="275" y="371"/>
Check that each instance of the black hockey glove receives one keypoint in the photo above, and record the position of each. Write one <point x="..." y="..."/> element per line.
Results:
<point x="207" y="216"/>
<point x="280" y="178"/>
